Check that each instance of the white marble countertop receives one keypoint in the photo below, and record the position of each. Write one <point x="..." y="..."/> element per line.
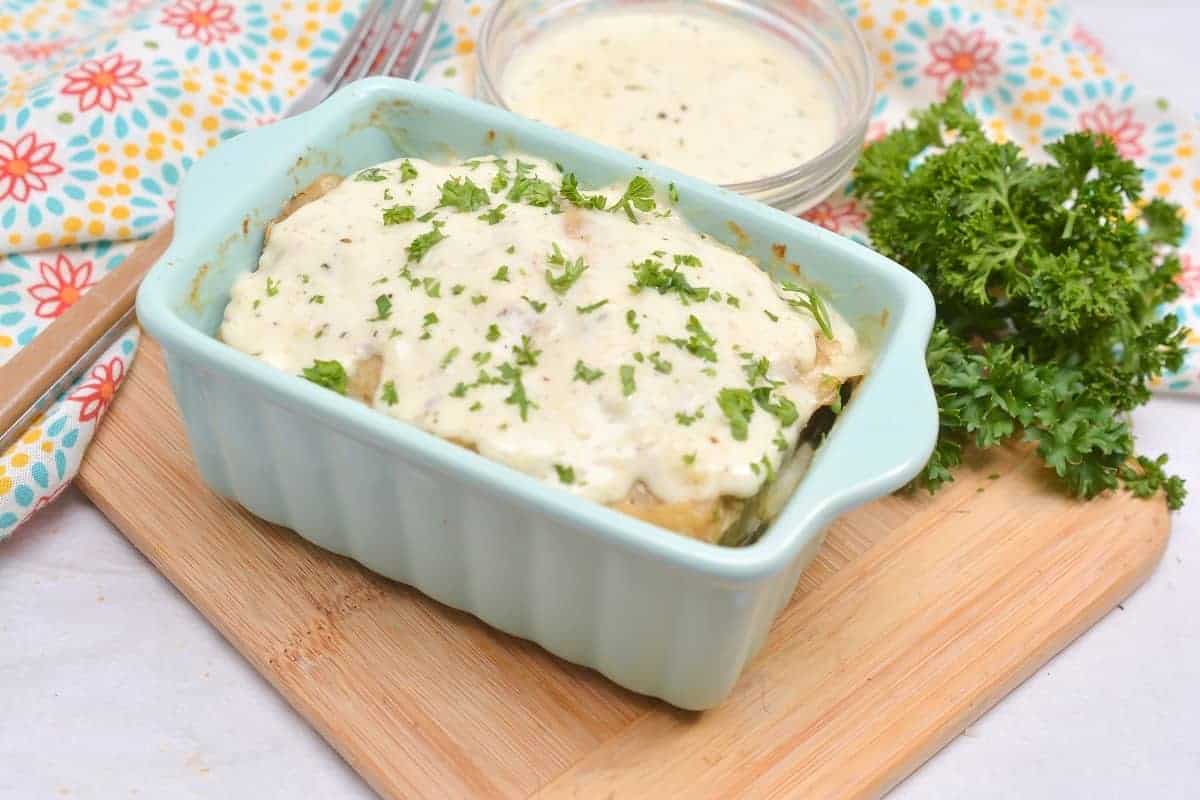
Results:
<point x="112" y="686"/>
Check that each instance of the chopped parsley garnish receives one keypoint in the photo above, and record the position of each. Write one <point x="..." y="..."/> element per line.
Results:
<point x="389" y="393"/>
<point x="685" y="419"/>
<point x="524" y="354"/>
<point x="304" y="278"/>
<point x="672" y="193"/>
<point x="699" y="344"/>
<point x="329" y="374"/>
<point x="689" y="458"/>
<point x="660" y="364"/>
<point x="430" y="319"/>
<point x="407" y="171"/>
<point x="572" y="270"/>
<point x="319" y="299"/>
<point x="650" y="274"/>
<point x="387" y="195"/>
<point x="475" y="406"/>
<point x="781" y="444"/>
<point x="451" y="354"/>
<point x="512" y="248"/>
<point x="394" y="215"/>
<point x="321" y="331"/>
<point x="463" y="194"/>
<point x="631" y="320"/>
<point x="813" y="304"/>
<point x="395" y="333"/>
<point x="517" y="397"/>
<point x="478" y="299"/>
<point x="421" y="245"/>
<point x="570" y="190"/>
<point x="372" y="174"/>
<point x="638" y="357"/>
<point x="733" y="301"/>
<point x="687" y="260"/>
<point x="565" y="474"/>
<point x="771" y="316"/>
<point x="590" y="308"/>
<point x="481" y="358"/>
<point x="782" y="409"/>
<point x="501" y="275"/>
<point x="537" y="305"/>
<point x="272" y="287"/>
<point x="428" y="216"/>
<point x="494" y="216"/>
<point x="639" y="194"/>
<point x="500" y="182"/>
<point x="383" y="308"/>
<point x="533" y="191"/>
<point x="586" y="374"/>
<point x="433" y="287"/>
<point x="257" y="302"/>
<point x="628" y="385"/>
<point x="738" y="407"/>
<point x="493" y="333"/>
<point x="755" y="368"/>
<point x="457" y="289"/>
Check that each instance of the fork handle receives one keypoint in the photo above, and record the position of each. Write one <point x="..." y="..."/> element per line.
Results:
<point x="32" y="378"/>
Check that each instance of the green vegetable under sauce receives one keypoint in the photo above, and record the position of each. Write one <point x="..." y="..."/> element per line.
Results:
<point x="565" y="474"/>
<point x="1046" y="293"/>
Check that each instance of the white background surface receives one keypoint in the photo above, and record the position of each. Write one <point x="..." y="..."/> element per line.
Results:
<point x="112" y="686"/>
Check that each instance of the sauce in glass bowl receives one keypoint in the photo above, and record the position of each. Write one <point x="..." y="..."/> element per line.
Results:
<point x="678" y="88"/>
<point x="768" y="98"/>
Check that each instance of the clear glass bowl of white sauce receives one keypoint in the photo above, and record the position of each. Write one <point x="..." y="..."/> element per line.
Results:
<point x="768" y="98"/>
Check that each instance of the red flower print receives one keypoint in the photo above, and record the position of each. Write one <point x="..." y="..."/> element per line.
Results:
<point x="1189" y="276"/>
<point x="35" y="51"/>
<point x="876" y="130"/>
<point x="837" y="216"/>
<point x="24" y="166"/>
<point x="1087" y="42"/>
<point x="62" y="285"/>
<point x="1118" y="125"/>
<point x="206" y="21"/>
<point x="104" y="82"/>
<point x="95" y="395"/>
<point x="968" y="57"/>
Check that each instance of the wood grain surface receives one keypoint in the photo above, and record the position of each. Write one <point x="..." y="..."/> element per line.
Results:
<point x="919" y="614"/>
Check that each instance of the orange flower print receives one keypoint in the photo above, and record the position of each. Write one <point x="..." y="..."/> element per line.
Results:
<point x="837" y="216"/>
<point x="62" y="285"/>
<point x="1118" y="125"/>
<point x="24" y="166"/>
<point x="206" y="21"/>
<point x="1189" y="276"/>
<point x="95" y="395"/>
<point x="969" y="57"/>
<point x="104" y="82"/>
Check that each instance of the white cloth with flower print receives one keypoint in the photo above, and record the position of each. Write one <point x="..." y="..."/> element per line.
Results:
<point x="103" y="108"/>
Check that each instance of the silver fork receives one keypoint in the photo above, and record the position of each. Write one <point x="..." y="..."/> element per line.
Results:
<point x="392" y="37"/>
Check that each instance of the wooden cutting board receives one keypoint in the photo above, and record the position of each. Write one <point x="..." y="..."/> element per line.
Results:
<point x="918" y="615"/>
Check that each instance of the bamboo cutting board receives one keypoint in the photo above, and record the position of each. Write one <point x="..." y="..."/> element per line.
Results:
<point x="918" y="615"/>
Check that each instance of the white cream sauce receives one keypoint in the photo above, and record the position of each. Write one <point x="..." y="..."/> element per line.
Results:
<point x="316" y="296"/>
<point x="709" y="96"/>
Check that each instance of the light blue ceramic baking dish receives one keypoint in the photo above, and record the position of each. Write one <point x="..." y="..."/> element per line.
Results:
<point x="656" y="612"/>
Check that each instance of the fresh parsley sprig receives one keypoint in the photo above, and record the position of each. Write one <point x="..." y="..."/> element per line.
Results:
<point x="1047" y="278"/>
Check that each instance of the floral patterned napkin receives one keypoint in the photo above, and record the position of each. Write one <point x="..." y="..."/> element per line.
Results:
<point x="105" y="105"/>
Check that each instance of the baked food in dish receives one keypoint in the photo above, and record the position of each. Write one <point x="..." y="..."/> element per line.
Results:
<point x="592" y="340"/>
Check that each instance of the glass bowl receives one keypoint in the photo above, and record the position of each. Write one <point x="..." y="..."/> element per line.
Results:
<point x="816" y="30"/>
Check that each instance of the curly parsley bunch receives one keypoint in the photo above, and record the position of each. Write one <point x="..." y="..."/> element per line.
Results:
<point x="1047" y="278"/>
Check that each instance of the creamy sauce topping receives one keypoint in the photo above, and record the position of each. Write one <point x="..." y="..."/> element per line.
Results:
<point x="711" y="97"/>
<point x="570" y="343"/>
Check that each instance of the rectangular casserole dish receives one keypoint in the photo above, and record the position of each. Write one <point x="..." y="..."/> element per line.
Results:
<point x="656" y="612"/>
